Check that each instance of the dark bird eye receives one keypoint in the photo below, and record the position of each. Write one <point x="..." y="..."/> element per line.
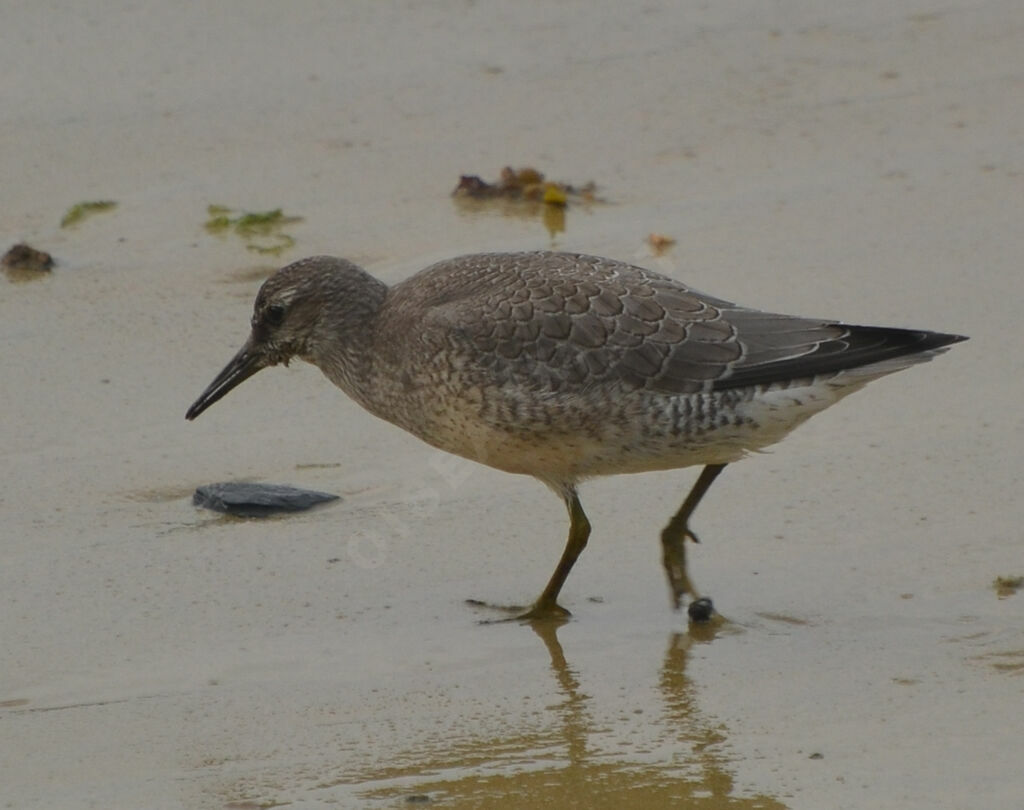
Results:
<point x="274" y="315"/>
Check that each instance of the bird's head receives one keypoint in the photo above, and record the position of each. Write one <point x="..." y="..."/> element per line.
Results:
<point x="287" y="319"/>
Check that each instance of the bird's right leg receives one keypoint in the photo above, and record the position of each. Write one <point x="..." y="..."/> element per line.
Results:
<point x="674" y="535"/>
<point x="546" y="606"/>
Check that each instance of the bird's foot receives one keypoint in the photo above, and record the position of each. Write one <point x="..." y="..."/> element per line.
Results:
<point x="674" y="560"/>
<point x="700" y="608"/>
<point x="540" y="611"/>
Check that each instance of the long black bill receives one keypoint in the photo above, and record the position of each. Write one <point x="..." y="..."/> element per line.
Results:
<point x="242" y="366"/>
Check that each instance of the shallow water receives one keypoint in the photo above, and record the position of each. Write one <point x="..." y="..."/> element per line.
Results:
<point x="860" y="163"/>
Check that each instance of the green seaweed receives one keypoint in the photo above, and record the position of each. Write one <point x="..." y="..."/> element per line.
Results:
<point x="261" y="230"/>
<point x="76" y="213"/>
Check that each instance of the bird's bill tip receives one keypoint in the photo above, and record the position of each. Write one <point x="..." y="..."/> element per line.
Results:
<point x="242" y="366"/>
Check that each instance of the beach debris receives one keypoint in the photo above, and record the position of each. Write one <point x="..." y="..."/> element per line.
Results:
<point x="79" y="211"/>
<point x="260" y="230"/>
<point x="659" y="242"/>
<point x="526" y="184"/>
<point x="524" y="193"/>
<point x="1007" y="586"/>
<point x="700" y="610"/>
<point x="257" y="500"/>
<point x="25" y="257"/>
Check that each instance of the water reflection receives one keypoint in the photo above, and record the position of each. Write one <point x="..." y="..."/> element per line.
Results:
<point x="553" y="217"/>
<point x="585" y="754"/>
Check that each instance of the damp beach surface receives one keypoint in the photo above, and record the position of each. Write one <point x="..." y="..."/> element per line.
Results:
<point x="856" y="163"/>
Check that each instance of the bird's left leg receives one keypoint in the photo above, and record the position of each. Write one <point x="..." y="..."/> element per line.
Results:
<point x="674" y="535"/>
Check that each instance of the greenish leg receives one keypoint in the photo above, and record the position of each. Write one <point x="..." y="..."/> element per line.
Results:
<point x="674" y="535"/>
<point x="546" y="606"/>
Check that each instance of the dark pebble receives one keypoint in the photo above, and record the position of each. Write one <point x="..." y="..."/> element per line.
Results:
<point x="700" y="610"/>
<point x="257" y="500"/>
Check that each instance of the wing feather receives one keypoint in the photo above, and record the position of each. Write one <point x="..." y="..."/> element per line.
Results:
<point x="557" y="320"/>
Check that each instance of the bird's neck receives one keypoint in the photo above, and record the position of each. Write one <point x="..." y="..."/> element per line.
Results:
<point x="343" y="343"/>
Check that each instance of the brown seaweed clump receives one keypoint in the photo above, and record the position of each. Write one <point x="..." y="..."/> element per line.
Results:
<point x="25" y="257"/>
<point x="524" y="193"/>
<point x="1007" y="585"/>
<point x="526" y="184"/>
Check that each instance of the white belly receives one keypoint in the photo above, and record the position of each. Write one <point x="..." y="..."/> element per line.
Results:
<point x="564" y="440"/>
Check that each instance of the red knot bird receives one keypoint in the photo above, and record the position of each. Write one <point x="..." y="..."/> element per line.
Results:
<point x="565" y="367"/>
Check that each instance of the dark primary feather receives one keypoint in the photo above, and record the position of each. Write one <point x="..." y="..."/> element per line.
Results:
<point x="852" y="347"/>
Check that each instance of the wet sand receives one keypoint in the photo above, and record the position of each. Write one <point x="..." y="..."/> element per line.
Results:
<point x="862" y="163"/>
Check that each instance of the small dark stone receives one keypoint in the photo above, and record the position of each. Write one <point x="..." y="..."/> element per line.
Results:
<point x="257" y="500"/>
<point x="417" y="798"/>
<point x="26" y="257"/>
<point x="700" y="610"/>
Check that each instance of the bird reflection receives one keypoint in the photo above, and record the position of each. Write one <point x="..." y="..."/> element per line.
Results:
<point x="584" y="754"/>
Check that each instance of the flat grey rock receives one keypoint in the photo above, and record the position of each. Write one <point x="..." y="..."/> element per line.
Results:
<point x="257" y="500"/>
